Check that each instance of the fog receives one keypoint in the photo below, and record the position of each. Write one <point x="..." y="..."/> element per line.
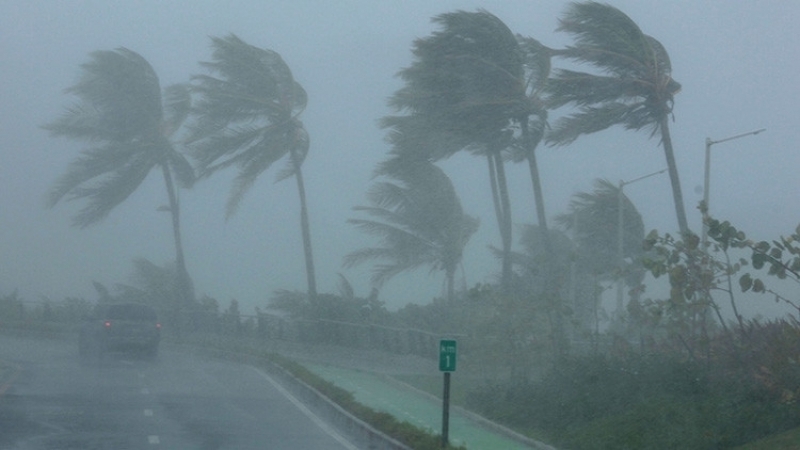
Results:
<point x="737" y="63"/>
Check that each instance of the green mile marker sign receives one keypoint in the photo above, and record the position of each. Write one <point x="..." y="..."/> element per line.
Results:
<point x="447" y="355"/>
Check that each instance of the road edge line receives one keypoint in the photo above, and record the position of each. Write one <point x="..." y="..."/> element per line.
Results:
<point x="305" y="410"/>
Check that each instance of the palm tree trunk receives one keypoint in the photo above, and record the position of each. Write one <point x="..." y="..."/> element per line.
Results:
<point x="536" y="183"/>
<point x="498" y="212"/>
<point x="306" y="231"/>
<point x="550" y="289"/>
<point x="183" y="280"/>
<point x="502" y="209"/>
<point x="505" y="222"/>
<point x="677" y="194"/>
<point x="450" y="280"/>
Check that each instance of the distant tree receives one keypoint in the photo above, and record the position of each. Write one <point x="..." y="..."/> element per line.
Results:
<point x="127" y="125"/>
<point x="463" y="91"/>
<point x="633" y="87"/>
<point x="593" y="218"/>
<point x="542" y="277"/>
<point x="248" y="116"/>
<point x="151" y="284"/>
<point x="419" y="219"/>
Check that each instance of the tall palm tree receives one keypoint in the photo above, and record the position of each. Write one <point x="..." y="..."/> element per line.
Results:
<point x="633" y="86"/>
<point x="248" y="116"/>
<point x="463" y="91"/>
<point x="533" y="121"/>
<point x="418" y="218"/>
<point x="126" y="124"/>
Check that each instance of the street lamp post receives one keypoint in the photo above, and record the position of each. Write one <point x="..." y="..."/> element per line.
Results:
<point x="706" y="179"/>
<point x="621" y="234"/>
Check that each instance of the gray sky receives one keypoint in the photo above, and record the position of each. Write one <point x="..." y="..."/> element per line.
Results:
<point x="737" y="61"/>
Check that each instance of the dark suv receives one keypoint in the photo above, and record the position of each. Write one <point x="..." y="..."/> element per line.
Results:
<point x="120" y="327"/>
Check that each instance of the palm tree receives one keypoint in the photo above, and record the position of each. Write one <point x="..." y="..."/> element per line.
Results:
<point x="126" y="124"/>
<point x="594" y="219"/>
<point x="418" y="218"/>
<point x="633" y="87"/>
<point x="463" y="91"/>
<point x="248" y="116"/>
<point x="533" y="122"/>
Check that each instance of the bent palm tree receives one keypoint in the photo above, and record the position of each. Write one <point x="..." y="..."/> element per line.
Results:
<point x="127" y="124"/>
<point x="248" y="117"/>
<point x="634" y="87"/>
<point x="594" y="219"/>
<point x="419" y="220"/>
<point x="463" y="91"/>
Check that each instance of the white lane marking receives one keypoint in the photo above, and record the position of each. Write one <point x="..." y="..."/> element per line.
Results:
<point x="148" y="413"/>
<point x="145" y="391"/>
<point x="314" y="418"/>
<point x="153" y="440"/>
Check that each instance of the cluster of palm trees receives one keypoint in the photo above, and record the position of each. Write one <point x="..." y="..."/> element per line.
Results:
<point x="473" y="86"/>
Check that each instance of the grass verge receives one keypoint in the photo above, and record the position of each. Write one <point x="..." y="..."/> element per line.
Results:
<point x="402" y="431"/>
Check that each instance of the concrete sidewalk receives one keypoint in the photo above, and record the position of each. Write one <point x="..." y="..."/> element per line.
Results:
<point x="383" y="393"/>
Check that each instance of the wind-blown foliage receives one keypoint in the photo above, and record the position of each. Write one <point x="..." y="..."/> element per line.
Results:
<point x="593" y="217"/>
<point x="419" y="220"/>
<point x="632" y="87"/>
<point x="462" y="92"/>
<point x="126" y="124"/>
<point x="248" y="116"/>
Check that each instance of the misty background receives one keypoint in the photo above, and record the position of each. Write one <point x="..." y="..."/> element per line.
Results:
<point x="736" y="61"/>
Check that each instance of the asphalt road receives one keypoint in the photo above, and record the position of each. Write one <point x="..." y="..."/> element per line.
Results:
<point x="176" y="402"/>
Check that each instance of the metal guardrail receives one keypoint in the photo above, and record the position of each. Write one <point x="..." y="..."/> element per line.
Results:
<point x="66" y="317"/>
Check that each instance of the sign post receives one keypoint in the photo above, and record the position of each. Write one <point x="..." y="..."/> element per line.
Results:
<point x="447" y="364"/>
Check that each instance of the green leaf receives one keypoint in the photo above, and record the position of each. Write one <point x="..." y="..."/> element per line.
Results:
<point x="758" y="286"/>
<point x="758" y="260"/>
<point x="745" y="282"/>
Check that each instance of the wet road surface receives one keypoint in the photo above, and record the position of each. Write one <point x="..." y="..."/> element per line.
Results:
<point x="124" y="402"/>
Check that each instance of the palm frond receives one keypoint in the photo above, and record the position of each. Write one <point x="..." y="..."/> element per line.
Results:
<point x="121" y="97"/>
<point x="593" y="218"/>
<point x="605" y="37"/>
<point x="92" y="163"/>
<point x="177" y="106"/>
<point x="466" y="81"/>
<point x="246" y="114"/>
<point x="298" y="147"/>
<point x="252" y="163"/>
<point x="110" y="190"/>
<point x="586" y="121"/>
<point x="417" y="218"/>
<point x="633" y="88"/>
<point x="182" y="168"/>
